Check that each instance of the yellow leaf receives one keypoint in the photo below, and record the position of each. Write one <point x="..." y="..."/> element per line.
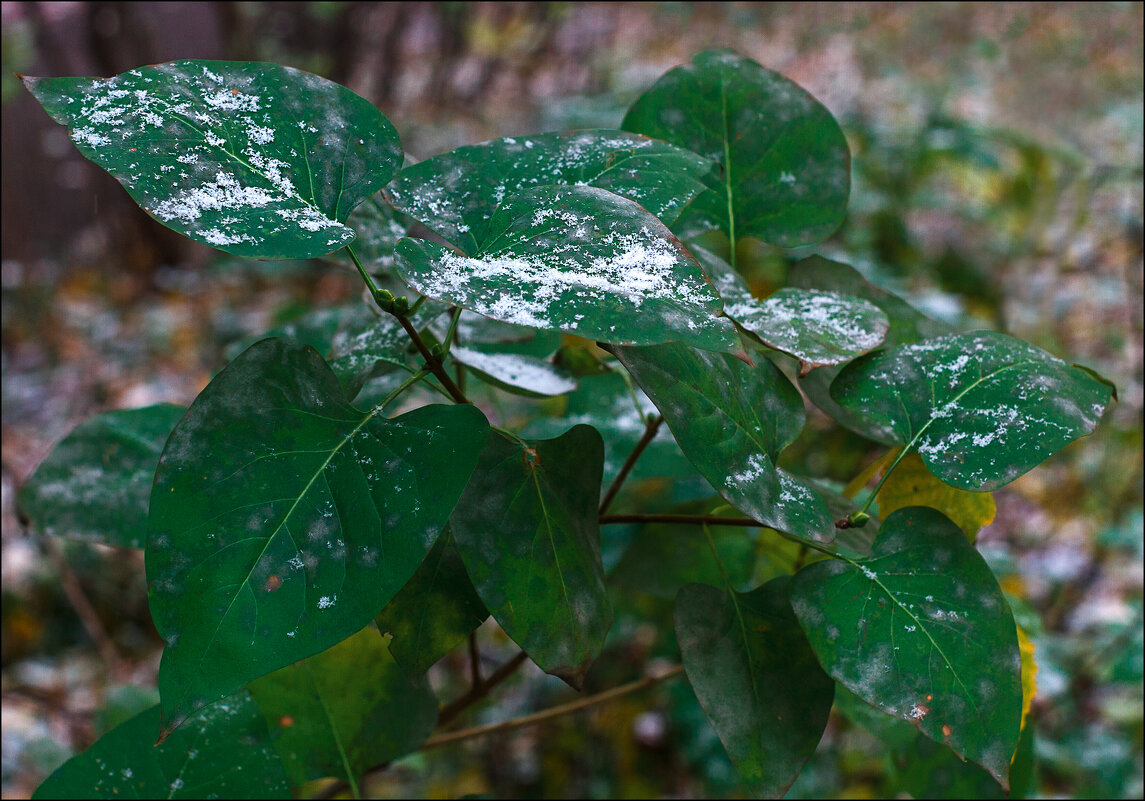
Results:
<point x="1029" y="673"/>
<point x="911" y="484"/>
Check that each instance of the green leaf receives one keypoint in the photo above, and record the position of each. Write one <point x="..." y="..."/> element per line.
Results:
<point x="434" y="612"/>
<point x="911" y="484"/>
<point x="786" y="165"/>
<point x="457" y="193"/>
<point x="96" y="482"/>
<point x="756" y="678"/>
<point x="981" y="408"/>
<point x="818" y="328"/>
<point x="663" y="557"/>
<point x="256" y="159"/>
<point x="731" y="421"/>
<point x="581" y="260"/>
<point x="606" y="403"/>
<point x="919" y="628"/>
<point x="527" y="531"/>
<point x="224" y="751"/>
<point x="516" y="372"/>
<point x="283" y="519"/>
<point x="906" y="325"/>
<point x="345" y="710"/>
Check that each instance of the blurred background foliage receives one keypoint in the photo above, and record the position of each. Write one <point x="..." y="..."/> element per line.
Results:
<point x="997" y="182"/>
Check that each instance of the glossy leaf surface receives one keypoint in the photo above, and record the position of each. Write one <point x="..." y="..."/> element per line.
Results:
<point x="516" y="372"/>
<point x="283" y="519"/>
<point x="434" y="612"/>
<point x="911" y="484"/>
<point x="345" y="710"/>
<point x="786" y="165"/>
<point x="580" y="260"/>
<point x="816" y="327"/>
<point x="457" y="193"/>
<point x="527" y="531"/>
<point x="906" y="325"/>
<point x="126" y="762"/>
<point x="95" y="485"/>
<point x="981" y="408"/>
<point x="256" y="159"/>
<point x="919" y="629"/>
<point x="731" y="421"/>
<point x="756" y="678"/>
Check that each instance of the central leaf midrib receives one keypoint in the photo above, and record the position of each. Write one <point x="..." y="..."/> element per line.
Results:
<point x="918" y="436"/>
<point x="286" y="517"/>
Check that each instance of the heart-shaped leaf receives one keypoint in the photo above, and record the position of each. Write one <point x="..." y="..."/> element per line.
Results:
<point x="434" y="611"/>
<point x="756" y="678"/>
<point x="96" y="483"/>
<point x="906" y="325"/>
<point x="786" y="165"/>
<point x="919" y="628"/>
<point x="283" y="519"/>
<point x="256" y="159"/>
<point x="527" y="531"/>
<point x="345" y="710"/>
<point x="731" y="421"/>
<point x="456" y="193"/>
<point x="126" y="762"/>
<point x="981" y="408"/>
<point x="581" y="260"/>
<point x="818" y="328"/>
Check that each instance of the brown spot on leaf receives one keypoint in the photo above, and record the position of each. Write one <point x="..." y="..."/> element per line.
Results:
<point x="946" y="730"/>
<point x="273" y="582"/>
<point x="286" y="721"/>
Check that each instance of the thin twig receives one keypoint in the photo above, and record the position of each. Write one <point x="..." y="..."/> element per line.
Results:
<point x="694" y="520"/>
<point x="651" y="427"/>
<point x="76" y="596"/>
<point x="475" y="679"/>
<point x="450" y="711"/>
<point x="547" y="714"/>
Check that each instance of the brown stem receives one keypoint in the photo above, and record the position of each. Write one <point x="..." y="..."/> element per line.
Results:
<point x="557" y="711"/>
<point x="74" y="592"/>
<point x="475" y="679"/>
<point x="695" y="520"/>
<point x="431" y="362"/>
<point x="450" y="711"/>
<point x="651" y="427"/>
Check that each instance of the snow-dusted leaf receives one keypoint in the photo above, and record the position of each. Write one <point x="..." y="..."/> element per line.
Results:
<point x="731" y="421"/>
<point x="906" y="325"/>
<point x="283" y="519"/>
<point x="95" y="484"/>
<point x="920" y="629"/>
<point x="816" y="327"/>
<point x="981" y="408"/>
<point x="516" y="372"/>
<point x="786" y="165"/>
<point x="256" y="159"/>
<point x="581" y="260"/>
<point x="126" y="762"/>
<point x="456" y="193"/>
